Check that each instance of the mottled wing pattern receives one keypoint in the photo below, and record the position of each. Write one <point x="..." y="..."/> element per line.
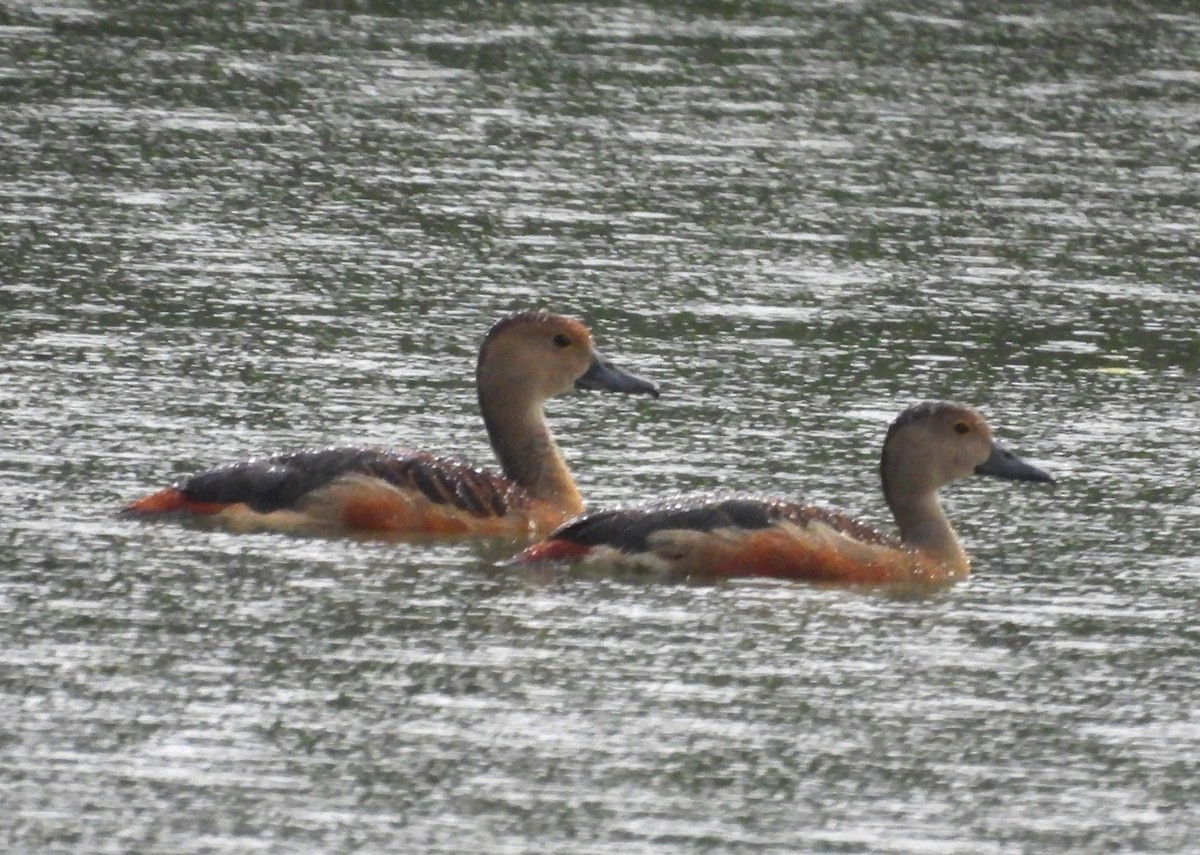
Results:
<point x="630" y="529"/>
<point x="443" y="481"/>
<point x="724" y="537"/>
<point x="279" y="482"/>
<point x="802" y="515"/>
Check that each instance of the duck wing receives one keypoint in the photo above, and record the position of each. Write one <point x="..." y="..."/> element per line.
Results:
<point x="286" y="481"/>
<point x="631" y="529"/>
<point x="732" y="537"/>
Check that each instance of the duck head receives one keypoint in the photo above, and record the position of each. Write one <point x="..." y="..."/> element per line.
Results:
<point x="540" y="355"/>
<point x="935" y="443"/>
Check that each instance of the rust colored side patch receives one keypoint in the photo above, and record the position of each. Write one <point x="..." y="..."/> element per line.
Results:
<point x="553" y="550"/>
<point x="377" y="512"/>
<point x="782" y="554"/>
<point x="372" y="506"/>
<point x="171" y="501"/>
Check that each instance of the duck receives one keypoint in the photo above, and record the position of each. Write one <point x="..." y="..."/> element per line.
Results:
<point x="928" y="446"/>
<point x="524" y="359"/>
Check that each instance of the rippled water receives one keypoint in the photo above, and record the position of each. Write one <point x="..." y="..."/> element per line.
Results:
<point x="234" y="228"/>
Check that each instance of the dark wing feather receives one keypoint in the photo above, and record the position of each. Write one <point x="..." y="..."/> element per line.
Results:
<point x="629" y="529"/>
<point x="804" y="514"/>
<point x="273" y="483"/>
<point x="449" y="482"/>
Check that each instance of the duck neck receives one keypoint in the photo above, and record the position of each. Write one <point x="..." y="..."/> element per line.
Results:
<point x="528" y="453"/>
<point x="924" y="526"/>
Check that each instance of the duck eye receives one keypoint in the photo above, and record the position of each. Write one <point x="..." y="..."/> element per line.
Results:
<point x="561" y="340"/>
<point x="962" y="428"/>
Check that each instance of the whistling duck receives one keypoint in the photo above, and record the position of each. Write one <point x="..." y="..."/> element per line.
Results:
<point x="524" y="359"/>
<point x="927" y="447"/>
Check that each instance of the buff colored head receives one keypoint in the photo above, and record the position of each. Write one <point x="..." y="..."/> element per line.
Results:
<point x="935" y="443"/>
<point x="539" y="354"/>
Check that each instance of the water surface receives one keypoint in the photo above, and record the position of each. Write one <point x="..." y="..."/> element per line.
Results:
<point x="247" y="227"/>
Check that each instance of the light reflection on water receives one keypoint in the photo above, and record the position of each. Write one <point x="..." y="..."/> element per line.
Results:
<point x="220" y="240"/>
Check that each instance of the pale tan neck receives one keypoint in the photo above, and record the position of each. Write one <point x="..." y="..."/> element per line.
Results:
<point x="924" y="525"/>
<point x="528" y="453"/>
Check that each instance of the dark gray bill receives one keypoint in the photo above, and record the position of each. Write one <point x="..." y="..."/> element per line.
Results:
<point x="603" y="376"/>
<point x="1004" y="464"/>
